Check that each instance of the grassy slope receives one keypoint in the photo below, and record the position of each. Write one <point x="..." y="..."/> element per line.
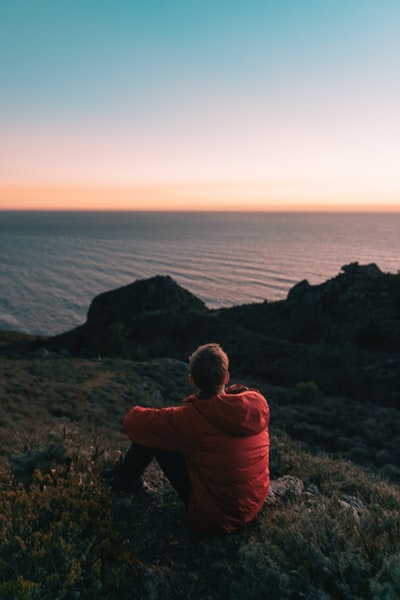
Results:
<point x="63" y="535"/>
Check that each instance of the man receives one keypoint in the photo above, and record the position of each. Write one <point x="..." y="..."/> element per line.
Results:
<point x="214" y="448"/>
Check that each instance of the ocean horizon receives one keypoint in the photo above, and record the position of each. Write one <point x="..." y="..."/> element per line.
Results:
<point x="53" y="263"/>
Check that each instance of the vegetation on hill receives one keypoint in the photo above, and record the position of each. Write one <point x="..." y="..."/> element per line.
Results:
<point x="327" y="360"/>
<point x="357" y="431"/>
<point x="344" y="334"/>
<point x="328" y="529"/>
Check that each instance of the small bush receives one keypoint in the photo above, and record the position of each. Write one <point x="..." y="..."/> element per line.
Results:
<point x="57" y="536"/>
<point x="370" y="336"/>
<point x="307" y="390"/>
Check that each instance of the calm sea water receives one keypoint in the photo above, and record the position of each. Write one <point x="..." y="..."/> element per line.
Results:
<point x="52" y="264"/>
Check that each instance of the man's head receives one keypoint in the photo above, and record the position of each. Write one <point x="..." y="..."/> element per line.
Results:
<point x="208" y="367"/>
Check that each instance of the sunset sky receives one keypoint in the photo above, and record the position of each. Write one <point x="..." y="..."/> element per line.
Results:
<point x="188" y="104"/>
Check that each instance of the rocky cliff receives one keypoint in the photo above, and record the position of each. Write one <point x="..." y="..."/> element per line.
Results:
<point x="344" y="334"/>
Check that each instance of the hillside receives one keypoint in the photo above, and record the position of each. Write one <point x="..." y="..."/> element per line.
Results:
<point x="327" y="360"/>
<point x="327" y="357"/>
<point x="343" y="334"/>
<point x="328" y="529"/>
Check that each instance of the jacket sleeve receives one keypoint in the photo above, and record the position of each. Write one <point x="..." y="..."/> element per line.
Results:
<point x="167" y="428"/>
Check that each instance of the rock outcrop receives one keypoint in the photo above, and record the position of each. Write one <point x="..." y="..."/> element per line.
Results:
<point x="151" y="296"/>
<point x="343" y="334"/>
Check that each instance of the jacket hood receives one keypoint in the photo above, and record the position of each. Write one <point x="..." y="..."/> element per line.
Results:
<point x="239" y="411"/>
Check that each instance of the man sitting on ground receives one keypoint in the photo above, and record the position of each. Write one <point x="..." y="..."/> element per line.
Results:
<point x="214" y="448"/>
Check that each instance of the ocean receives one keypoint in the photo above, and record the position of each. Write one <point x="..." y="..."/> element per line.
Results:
<point x="52" y="264"/>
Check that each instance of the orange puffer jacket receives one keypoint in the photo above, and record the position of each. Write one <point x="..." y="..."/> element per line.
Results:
<point x="225" y="442"/>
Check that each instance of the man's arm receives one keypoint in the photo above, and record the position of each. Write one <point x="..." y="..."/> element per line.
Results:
<point x="167" y="428"/>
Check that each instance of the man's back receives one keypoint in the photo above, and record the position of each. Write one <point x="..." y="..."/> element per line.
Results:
<point x="225" y="443"/>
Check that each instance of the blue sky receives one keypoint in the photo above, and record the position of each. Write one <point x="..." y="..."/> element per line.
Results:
<point x="282" y="101"/>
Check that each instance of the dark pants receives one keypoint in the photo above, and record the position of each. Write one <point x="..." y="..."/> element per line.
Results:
<point x="171" y="463"/>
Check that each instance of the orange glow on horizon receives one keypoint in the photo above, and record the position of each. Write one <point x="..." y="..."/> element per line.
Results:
<point x="212" y="197"/>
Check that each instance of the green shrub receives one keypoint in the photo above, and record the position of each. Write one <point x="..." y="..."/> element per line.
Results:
<point x="57" y="536"/>
<point x="57" y="540"/>
<point x="370" y="336"/>
<point x="326" y="551"/>
<point x="307" y="390"/>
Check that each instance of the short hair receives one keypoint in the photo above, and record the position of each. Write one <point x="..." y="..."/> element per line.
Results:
<point x="208" y="366"/>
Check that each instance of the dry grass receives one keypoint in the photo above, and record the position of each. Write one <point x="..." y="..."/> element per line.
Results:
<point x="64" y="535"/>
<point x="44" y="391"/>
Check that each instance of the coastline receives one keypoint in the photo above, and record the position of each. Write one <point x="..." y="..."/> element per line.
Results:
<point x="54" y="266"/>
